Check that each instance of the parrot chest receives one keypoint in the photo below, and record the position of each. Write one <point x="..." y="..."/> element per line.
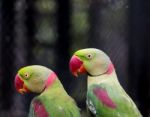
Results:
<point x="98" y="100"/>
<point x="58" y="104"/>
<point x="107" y="98"/>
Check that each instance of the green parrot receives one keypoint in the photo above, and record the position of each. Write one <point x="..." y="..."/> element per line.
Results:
<point x="53" y="100"/>
<point x="105" y="95"/>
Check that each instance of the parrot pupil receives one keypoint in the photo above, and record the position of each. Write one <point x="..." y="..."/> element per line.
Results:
<point x="89" y="56"/>
<point x="26" y="75"/>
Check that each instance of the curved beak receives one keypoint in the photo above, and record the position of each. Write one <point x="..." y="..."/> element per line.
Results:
<point x="76" y="65"/>
<point x="19" y="85"/>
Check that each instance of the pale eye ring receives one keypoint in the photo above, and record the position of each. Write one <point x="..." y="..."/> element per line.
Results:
<point x="26" y="75"/>
<point x="89" y="56"/>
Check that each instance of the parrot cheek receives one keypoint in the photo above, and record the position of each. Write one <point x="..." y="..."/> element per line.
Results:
<point x="36" y="87"/>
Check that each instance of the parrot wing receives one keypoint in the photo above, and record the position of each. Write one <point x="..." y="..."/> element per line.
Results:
<point x="37" y="109"/>
<point x="105" y="100"/>
<point x="54" y="106"/>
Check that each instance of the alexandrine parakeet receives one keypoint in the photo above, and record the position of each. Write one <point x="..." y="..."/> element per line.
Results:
<point x="105" y="95"/>
<point x="53" y="100"/>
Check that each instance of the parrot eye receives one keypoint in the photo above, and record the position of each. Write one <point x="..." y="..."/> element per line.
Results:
<point x="26" y="75"/>
<point x="89" y="56"/>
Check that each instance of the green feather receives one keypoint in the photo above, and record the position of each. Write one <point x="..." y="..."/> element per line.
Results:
<point x="57" y="102"/>
<point x="125" y="107"/>
<point x="54" y="98"/>
<point x="97" y="67"/>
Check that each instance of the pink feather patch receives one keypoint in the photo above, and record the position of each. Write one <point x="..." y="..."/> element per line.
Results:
<point x="51" y="79"/>
<point x="110" y="69"/>
<point x="102" y="95"/>
<point x="39" y="109"/>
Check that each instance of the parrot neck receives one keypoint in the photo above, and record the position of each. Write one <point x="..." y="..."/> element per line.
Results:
<point x="110" y="69"/>
<point x="51" y="78"/>
<point x="102" y="78"/>
<point x="52" y="83"/>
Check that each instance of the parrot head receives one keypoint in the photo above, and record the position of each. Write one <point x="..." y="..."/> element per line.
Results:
<point x="92" y="61"/>
<point x="34" y="78"/>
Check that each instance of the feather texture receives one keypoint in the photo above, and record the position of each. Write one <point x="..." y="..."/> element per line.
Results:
<point x="56" y="101"/>
<point x="109" y="99"/>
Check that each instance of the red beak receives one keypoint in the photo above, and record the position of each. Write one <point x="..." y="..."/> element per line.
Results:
<point x="76" y="66"/>
<point x="19" y="85"/>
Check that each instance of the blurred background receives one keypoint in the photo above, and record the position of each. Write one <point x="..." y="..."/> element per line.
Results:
<point x="48" y="32"/>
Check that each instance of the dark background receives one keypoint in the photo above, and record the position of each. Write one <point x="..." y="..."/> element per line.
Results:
<point x="47" y="32"/>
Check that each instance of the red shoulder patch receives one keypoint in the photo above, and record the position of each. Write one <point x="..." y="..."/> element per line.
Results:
<point x="102" y="95"/>
<point x="39" y="109"/>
